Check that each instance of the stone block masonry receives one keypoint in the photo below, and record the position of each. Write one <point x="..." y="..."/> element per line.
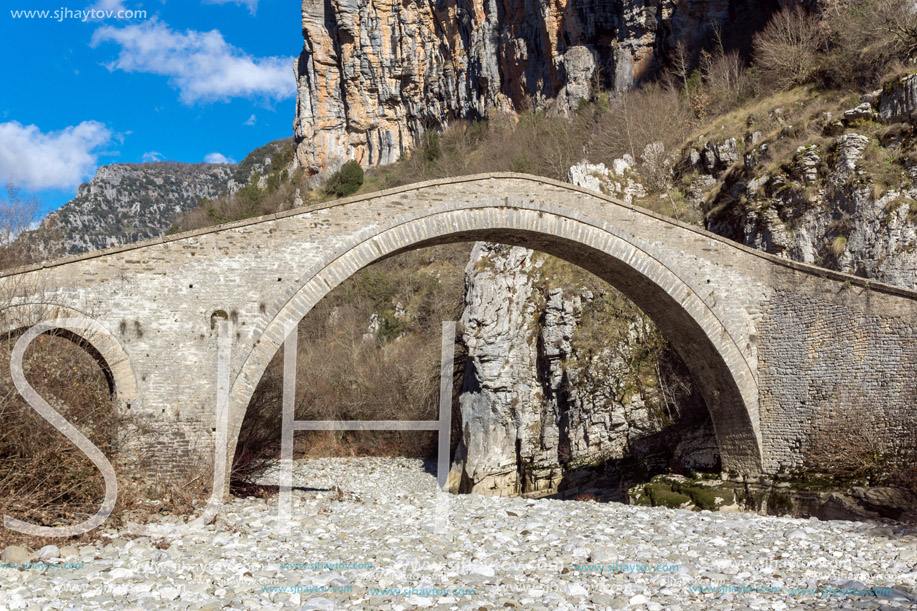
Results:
<point x="767" y="340"/>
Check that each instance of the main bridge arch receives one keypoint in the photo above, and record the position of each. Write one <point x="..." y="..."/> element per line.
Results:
<point x="770" y="342"/>
<point x="705" y="344"/>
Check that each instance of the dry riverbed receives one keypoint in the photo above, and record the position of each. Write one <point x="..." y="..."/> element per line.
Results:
<point x="374" y="533"/>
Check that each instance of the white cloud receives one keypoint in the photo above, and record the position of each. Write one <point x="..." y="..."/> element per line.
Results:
<point x="251" y="120"/>
<point x="52" y="160"/>
<point x="106" y="9"/>
<point x="108" y="5"/>
<point x="152" y="156"/>
<point x="218" y="158"/>
<point x="251" y="4"/>
<point x="202" y="65"/>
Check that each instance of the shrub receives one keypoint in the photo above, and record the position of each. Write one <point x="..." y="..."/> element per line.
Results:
<point x="345" y="181"/>
<point x="662" y="495"/>
<point x="429" y="147"/>
<point x="787" y="51"/>
<point x="866" y="38"/>
<point x="655" y="113"/>
<point x="252" y="193"/>
<point x="856" y="442"/>
<point x="726" y="80"/>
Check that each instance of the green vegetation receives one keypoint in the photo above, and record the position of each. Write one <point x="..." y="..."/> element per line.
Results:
<point x="661" y="495"/>
<point x="710" y="499"/>
<point x="839" y="245"/>
<point x="280" y="152"/>
<point x="698" y="493"/>
<point x="345" y="181"/>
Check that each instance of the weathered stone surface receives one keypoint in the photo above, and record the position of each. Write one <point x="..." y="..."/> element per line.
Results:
<point x="807" y="160"/>
<point x="898" y="101"/>
<point x="618" y="182"/>
<point x="849" y="149"/>
<point x="498" y="400"/>
<point x="863" y="112"/>
<point x="373" y="76"/>
<point x="757" y="332"/>
<point x="847" y="223"/>
<point x="15" y="554"/>
<point x="720" y="156"/>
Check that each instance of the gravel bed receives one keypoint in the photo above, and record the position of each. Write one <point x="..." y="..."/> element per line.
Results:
<point x="374" y="533"/>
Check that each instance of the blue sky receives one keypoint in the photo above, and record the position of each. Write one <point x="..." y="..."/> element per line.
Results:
<point x="194" y="80"/>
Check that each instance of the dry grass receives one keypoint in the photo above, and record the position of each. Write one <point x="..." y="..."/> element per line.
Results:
<point x="838" y="246"/>
<point x="345" y="375"/>
<point x="857" y="441"/>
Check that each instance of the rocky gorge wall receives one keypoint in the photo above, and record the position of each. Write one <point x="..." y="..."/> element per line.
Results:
<point x="129" y="202"/>
<point x="842" y="198"/>
<point x="845" y="201"/>
<point x="373" y="76"/>
<point x="567" y="386"/>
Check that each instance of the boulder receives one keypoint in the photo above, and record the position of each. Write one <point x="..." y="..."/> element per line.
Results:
<point x="898" y="101"/>
<point x="863" y="112"/>
<point x="15" y="554"/>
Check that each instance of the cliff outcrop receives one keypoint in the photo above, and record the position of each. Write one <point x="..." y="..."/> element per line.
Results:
<point x="373" y="76"/>
<point x="567" y="386"/>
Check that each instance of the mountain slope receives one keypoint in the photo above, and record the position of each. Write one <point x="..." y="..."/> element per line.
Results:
<point x="129" y="202"/>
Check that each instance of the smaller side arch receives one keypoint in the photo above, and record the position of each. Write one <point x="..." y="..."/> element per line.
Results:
<point x="101" y="344"/>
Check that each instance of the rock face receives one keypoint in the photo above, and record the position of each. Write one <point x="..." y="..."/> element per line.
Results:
<point x="618" y="182"/>
<point x="135" y="201"/>
<point x="547" y="395"/>
<point x="373" y="76"/>
<point x="830" y="213"/>
<point x="129" y="202"/>
<point x="898" y="101"/>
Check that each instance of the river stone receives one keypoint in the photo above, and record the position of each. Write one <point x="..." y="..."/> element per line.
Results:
<point x="15" y="554"/>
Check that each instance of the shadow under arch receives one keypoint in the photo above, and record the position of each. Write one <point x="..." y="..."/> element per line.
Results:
<point x="99" y="343"/>
<point x="713" y="357"/>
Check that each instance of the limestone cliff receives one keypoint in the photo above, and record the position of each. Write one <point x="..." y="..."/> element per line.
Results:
<point x="564" y="382"/>
<point x="373" y="76"/>
<point x="128" y="202"/>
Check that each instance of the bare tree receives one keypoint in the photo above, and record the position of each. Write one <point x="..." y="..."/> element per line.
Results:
<point x="19" y="214"/>
<point x="867" y="37"/>
<point x="787" y="51"/>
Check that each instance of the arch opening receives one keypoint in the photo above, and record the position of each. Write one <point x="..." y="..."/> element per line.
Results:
<point x="47" y="479"/>
<point x="700" y="340"/>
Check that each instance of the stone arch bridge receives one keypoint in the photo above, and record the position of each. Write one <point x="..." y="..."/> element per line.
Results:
<point x="769" y="341"/>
